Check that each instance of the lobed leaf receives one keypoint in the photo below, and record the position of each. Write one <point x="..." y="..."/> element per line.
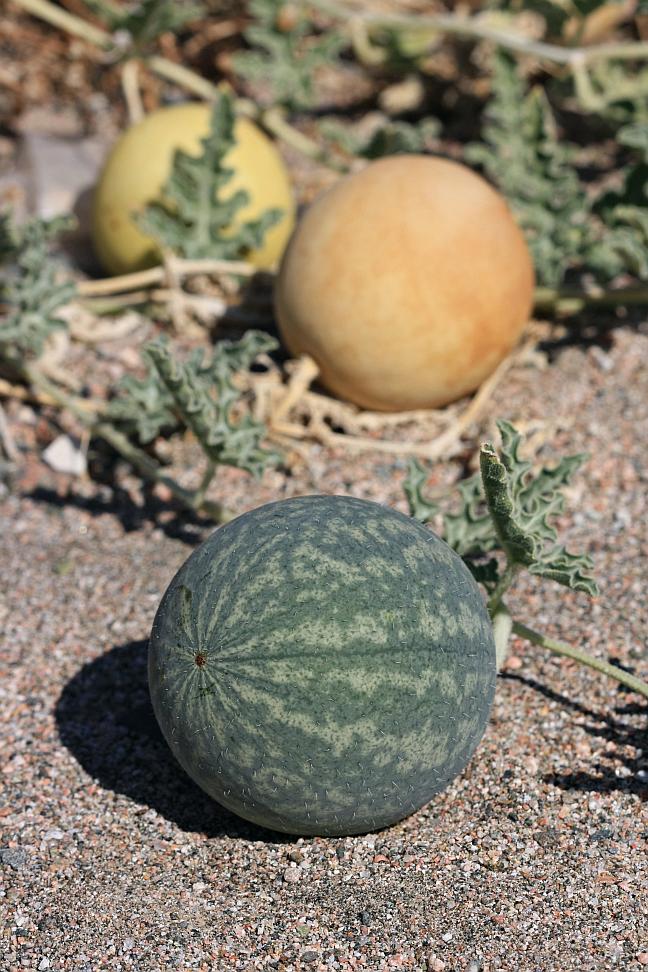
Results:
<point x="204" y="395"/>
<point x="32" y="289"/>
<point x="145" y="21"/>
<point x="144" y="407"/>
<point x="521" y="505"/>
<point x="192" y="217"/>
<point x="507" y="507"/>
<point x="285" y="53"/>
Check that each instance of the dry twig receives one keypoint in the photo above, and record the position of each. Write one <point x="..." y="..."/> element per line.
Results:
<point x="6" y="439"/>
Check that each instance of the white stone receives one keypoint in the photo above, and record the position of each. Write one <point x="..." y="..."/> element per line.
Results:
<point x="63" y="455"/>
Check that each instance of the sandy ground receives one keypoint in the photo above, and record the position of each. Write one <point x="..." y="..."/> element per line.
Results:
<point x="534" y="859"/>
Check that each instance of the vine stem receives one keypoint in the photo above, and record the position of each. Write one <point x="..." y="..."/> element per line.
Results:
<point x="272" y="119"/>
<point x="474" y="28"/>
<point x="66" y="21"/>
<point x="562" y="648"/>
<point x="470" y="28"/>
<point x="502" y="586"/>
<point x="145" y="465"/>
<point x="572" y="301"/>
<point x="131" y="91"/>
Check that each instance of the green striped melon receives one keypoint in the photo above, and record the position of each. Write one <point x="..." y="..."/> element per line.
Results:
<point x="322" y="665"/>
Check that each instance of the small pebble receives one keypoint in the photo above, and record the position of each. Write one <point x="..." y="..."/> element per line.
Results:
<point x="54" y="834"/>
<point x="14" y="857"/>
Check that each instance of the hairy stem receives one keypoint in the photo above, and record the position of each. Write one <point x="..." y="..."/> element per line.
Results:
<point x="502" y="627"/>
<point x="182" y="76"/>
<point x="502" y="586"/>
<point x="274" y="120"/>
<point x="562" y="648"/>
<point x="208" y="475"/>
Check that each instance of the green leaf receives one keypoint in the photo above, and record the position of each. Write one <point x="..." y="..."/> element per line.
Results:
<point x="32" y="288"/>
<point x="635" y="136"/>
<point x="285" y="54"/>
<point x="392" y="138"/>
<point x="144" y="407"/>
<point x="624" y="246"/>
<point x="147" y="20"/>
<point x="565" y="228"/>
<point x="521" y="505"/>
<point x="523" y="154"/>
<point x="204" y="396"/>
<point x="507" y="507"/>
<point x="193" y="217"/>
<point x="419" y="507"/>
<point x="468" y="530"/>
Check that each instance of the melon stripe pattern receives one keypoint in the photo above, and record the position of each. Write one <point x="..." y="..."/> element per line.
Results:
<point x="322" y="665"/>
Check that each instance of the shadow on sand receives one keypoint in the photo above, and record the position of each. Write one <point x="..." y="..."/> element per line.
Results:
<point x="106" y="720"/>
<point x="610" y="727"/>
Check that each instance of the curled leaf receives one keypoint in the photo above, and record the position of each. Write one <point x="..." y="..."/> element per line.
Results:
<point x="521" y="505"/>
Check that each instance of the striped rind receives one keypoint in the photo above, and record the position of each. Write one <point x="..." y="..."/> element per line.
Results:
<point x="322" y="665"/>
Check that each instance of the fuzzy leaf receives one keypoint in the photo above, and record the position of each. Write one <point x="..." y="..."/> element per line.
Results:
<point x="415" y="479"/>
<point x="284" y="53"/>
<point x="521" y="505"/>
<point x="469" y="530"/>
<point x="534" y="168"/>
<point x="507" y="507"/>
<point x="144" y="407"/>
<point x="31" y="288"/>
<point x="392" y="138"/>
<point x="146" y="20"/>
<point x="523" y="155"/>
<point x="204" y="395"/>
<point x="192" y="217"/>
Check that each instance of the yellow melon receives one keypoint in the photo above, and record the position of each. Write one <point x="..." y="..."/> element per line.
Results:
<point x="139" y="165"/>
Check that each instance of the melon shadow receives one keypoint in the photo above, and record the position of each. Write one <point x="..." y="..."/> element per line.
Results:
<point x="105" y="719"/>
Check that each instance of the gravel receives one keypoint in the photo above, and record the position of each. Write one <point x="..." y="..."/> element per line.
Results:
<point x="534" y="859"/>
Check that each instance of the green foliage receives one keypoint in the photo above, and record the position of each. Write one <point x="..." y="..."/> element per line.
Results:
<point x="522" y="153"/>
<point x="8" y="243"/>
<point x="285" y="53"/>
<point x="624" y="246"/>
<point x="565" y="228"/>
<point x="468" y="530"/>
<point x="144" y="407"/>
<point x="420" y="508"/>
<point x="31" y="288"/>
<point x="521" y="506"/>
<point x="146" y="20"/>
<point x="391" y="138"/>
<point x="192" y="218"/>
<point x="202" y="395"/>
<point x="508" y="508"/>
